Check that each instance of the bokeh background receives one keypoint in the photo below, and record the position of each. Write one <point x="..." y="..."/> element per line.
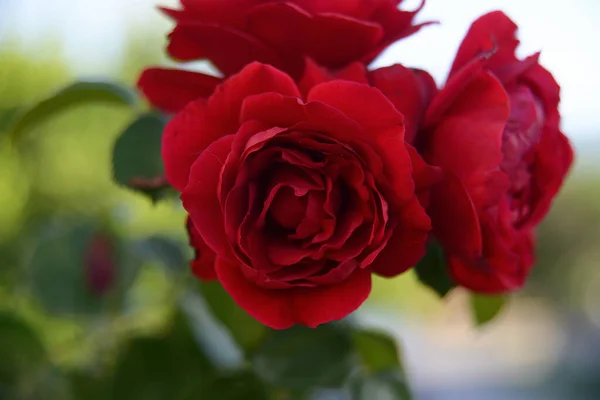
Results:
<point x="544" y="345"/>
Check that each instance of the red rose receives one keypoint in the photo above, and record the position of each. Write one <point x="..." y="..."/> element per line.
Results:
<point x="233" y="33"/>
<point x="301" y="198"/>
<point x="494" y="129"/>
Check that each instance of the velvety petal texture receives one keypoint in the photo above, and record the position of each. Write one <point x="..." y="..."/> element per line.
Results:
<point x="494" y="130"/>
<point x="295" y="200"/>
<point x="233" y="33"/>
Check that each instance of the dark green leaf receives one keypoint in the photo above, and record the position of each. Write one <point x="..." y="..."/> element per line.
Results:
<point x="486" y="308"/>
<point x="244" y="329"/>
<point x="21" y="351"/>
<point x="137" y="161"/>
<point x="164" y="250"/>
<point x="88" y="386"/>
<point x="389" y="385"/>
<point x="302" y="358"/>
<point x="8" y="117"/>
<point x="76" y="94"/>
<point x="167" y="367"/>
<point x="377" y="350"/>
<point x="432" y="271"/>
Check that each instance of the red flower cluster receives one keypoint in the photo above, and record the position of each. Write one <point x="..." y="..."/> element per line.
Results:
<point x="304" y="172"/>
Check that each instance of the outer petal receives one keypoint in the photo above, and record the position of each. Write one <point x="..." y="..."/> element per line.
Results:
<point x="200" y="196"/>
<point x="203" y="264"/>
<point x="225" y="105"/>
<point x="407" y="91"/>
<point x="491" y="32"/>
<point x="228" y="49"/>
<point x="171" y="89"/>
<point x="407" y="245"/>
<point x="183" y="140"/>
<point x="316" y="306"/>
<point x="467" y="141"/>
<point x="280" y="309"/>
<point x="271" y="307"/>
<point x="333" y="40"/>
<point x="454" y="218"/>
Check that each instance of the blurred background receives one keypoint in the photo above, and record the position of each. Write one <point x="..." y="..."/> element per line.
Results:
<point x="544" y="345"/>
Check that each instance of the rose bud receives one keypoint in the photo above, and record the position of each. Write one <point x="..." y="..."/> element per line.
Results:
<point x="300" y="198"/>
<point x="100" y="264"/>
<point x="494" y="129"/>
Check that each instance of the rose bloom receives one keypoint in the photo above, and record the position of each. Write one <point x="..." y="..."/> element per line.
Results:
<point x="295" y="200"/>
<point x="233" y="33"/>
<point x="494" y="129"/>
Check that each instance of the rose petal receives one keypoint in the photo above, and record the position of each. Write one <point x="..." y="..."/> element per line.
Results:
<point x="455" y="223"/>
<point x="406" y="246"/>
<point x="316" y="306"/>
<point x="203" y="264"/>
<point x="271" y="307"/>
<point x="171" y="89"/>
<point x="227" y="48"/>
<point x="200" y="196"/>
<point x="491" y="32"/>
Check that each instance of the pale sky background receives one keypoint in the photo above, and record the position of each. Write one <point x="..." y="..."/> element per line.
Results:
<point x="565" y="31"/>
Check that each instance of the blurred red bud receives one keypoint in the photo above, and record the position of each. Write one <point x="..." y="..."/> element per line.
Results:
<point x="100" y="264"/>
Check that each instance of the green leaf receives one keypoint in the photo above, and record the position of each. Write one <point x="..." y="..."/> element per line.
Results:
<point x="137" y="161"/>
<point x="377" y="350"/>
<point x="75" y="94"/>
<point x="486" y="308"/>
<point x="8" y="117"/>
<point x="165" y="250"/>
<point x="88" y="386"/>
<point x="432" y="271"/>
<point x="389" y="385"/>
<point x="22" y="353"/>
<point x="165" y="367"/>
<point x="303" y="358"/>
<point x="173" y="366"/>
<point x="244" y="329"/>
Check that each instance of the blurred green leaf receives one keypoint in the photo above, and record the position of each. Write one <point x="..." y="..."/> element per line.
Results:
<point x="486" y="308"/>
<point x="244" y="329"/>
<point x="377" y="350"/>
<point x="21" y="351"/>
<point x="303" y="358"/>
<point x="73" y="95"/>
<point x="389" y="385"/>
<point x="432" y="272"/>
<point x="174" y="367"/>
<point x="163" y="249"/>
<point x="86" y="386"/>
<point x="137" y="161"/>
<point x="167" y="367"/>
<point x="8" y="117"/>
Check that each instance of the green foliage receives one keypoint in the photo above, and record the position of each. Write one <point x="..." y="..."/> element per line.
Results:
<point x="486" y="308"/>
<point x="73" y="95"/>
<point x="432" y="271"/>
<point x="388" y="385"/>
<point x="302" y="358"/>
<point x="137" y="162"/>
<point x="244" y="329"/>
<point x="377" y="350"/>
<point x="21" y="351"/>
